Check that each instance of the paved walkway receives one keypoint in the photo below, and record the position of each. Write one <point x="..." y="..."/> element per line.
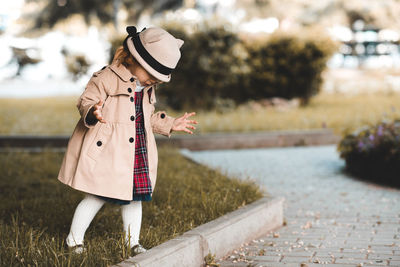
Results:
<point x="331" y="219"/>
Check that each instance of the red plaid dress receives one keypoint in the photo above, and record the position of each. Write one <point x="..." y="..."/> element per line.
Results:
<point x="141" y="179"/>
<point x="142" y="184"/>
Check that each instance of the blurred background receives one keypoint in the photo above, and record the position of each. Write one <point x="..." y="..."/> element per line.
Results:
<point x="274" y="64"/>
<point x="247" y="66"/>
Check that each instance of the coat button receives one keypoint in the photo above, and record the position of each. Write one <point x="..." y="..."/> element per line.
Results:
<point x="131" y="139"/>
<point x="162" y="115"/>
<point x="132" y="80"/>
<point x="132" y="118"/>
<point x="129" y="90"/>
<point x="99" y="143"/>
<point x="132" y="99"/>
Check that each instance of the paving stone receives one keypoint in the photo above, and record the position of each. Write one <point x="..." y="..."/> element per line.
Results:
<point x="264" y="258"/>
<point x="299" y="253"/>
<point x="334" y="243"/>
<point x="394" y="258"/>
<point x="279" y="243"/>
<point x="358" y="244"/>
<point x="381" y="249"/>
<point x="233" y="264"/>
<point x="384" y="254"/>
<point x="322" y="260"/>
<point x="331" y="265"/>
<point x="383" y="257"/>
<point x="365" y="261"/>
<point x="356" y="261"/>
<point x="355" y="249"/>
<point x="365" y="235"/>
<point x="394" y="263"/>
<point x="276" y="264"/>
<point x="358" y="240"/>
<point x="295" y="259"/>
<point x="385" y="237"/>
<point x="339" y="255"/>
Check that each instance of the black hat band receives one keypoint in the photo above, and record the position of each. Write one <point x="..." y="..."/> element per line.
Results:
<point x="148" y="58"/>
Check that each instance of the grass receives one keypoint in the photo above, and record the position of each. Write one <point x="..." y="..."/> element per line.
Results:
<point x="36" y="209"/>
<point x="342" y="113"/>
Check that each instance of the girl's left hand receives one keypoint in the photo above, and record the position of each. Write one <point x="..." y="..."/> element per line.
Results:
<point x="182" y="123"/>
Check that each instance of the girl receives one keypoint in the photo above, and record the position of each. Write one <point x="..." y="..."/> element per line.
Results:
<point x="112" y="154"/>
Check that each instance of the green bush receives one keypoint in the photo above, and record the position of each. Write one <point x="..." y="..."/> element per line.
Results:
<point x="287" y="65"/>
<point x="373" y="153"/>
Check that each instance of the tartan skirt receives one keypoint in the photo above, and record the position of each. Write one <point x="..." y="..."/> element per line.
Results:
<point x="141" y="178"/>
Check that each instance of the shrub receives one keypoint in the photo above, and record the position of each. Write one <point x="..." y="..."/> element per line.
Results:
<point x="287" y="65"/>
<point x="373" y="152"/>
<point x="217" y="64"/>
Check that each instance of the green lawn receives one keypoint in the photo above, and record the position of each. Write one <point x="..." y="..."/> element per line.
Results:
<point x="36" y="209"/>
<point x="342" y="113"/>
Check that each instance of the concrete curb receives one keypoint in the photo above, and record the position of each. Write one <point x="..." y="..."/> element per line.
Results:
<point x="193" y="142"/>
<point x="212" y="141"/>
<point x="218" y="237"/>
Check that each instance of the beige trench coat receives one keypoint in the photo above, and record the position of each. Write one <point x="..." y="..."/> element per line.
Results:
<point x="100" y="157"/>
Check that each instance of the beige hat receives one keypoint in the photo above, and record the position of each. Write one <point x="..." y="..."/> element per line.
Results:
<point x="156" y="50"/>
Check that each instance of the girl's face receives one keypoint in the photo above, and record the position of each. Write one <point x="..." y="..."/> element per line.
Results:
<point x="143" y="76"/>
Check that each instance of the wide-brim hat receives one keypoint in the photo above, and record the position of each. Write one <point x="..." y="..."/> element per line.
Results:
<point x="156" y="50"/>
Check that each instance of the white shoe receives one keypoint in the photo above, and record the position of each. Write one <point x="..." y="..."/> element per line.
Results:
<point x="78" y="249"/>
<point x="137" y="249"/>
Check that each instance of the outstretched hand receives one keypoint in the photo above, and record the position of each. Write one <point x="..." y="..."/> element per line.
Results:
<point x="182" y="123"/>
<point x="97" y="111"/>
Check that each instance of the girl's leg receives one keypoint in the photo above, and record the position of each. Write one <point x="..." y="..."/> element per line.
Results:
<point x="83" y="216"/>
<point x="132" y="219"/>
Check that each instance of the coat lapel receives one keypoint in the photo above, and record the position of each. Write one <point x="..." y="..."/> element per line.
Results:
<point x="122" y="72"/>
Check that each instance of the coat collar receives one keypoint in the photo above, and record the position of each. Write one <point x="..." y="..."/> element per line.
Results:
<point x="122" y="72"/>
<point x="126" y="75"/>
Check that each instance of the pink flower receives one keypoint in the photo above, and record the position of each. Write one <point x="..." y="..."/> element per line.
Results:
<point x="380" y="130"/>
<point x="360" y="145"/>
<point x="371" y="137"/>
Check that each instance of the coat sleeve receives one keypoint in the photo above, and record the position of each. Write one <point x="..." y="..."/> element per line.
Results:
<point x="161" y="123"/>
<point x="94" y="91"/>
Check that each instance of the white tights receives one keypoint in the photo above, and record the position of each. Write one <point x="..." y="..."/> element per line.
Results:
<point x="87" y="209"/>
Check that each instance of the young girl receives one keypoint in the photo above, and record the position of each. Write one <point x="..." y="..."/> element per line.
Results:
<point x="112" y="154"/>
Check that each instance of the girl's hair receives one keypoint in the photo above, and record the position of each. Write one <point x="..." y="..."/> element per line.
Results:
<point x="122" y="56"/>
<point x="125" y="58"/>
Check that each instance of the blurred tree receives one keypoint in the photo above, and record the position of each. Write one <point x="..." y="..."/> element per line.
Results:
<point x="354" y="15"/>
<point x="105" y="10"/>
<point x="22" y="58"/>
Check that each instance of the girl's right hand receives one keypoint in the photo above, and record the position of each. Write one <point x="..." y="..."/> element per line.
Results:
<point x="97" y="111"/>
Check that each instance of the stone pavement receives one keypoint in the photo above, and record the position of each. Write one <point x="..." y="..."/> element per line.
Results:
<point x="331" y="218"/>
